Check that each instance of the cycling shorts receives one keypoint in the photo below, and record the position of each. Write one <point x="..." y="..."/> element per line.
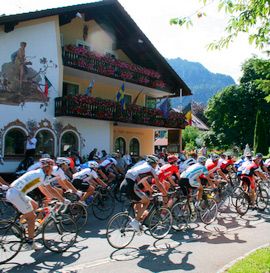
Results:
<point x="80" y="184"/>
<point x="20" y="200"/>
<point x="132" y="189"/>
<point x="225" y="171"/>
<point x="185" y="185"/>
<point x="104" y="170"/>
<point x="249" y="181"/>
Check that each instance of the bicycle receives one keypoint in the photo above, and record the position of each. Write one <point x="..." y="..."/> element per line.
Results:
<point x="102" y="203"/>
<point x="7" y="211"/>
<point x="119" y="232"/>
<point x="243" y="201"/>
<point x="59" y="233"/>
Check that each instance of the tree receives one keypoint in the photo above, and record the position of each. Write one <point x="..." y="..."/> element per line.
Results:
<point x="190" y="135"/>
<point x="232" y="111"/>
<point x="260" y="135"/>
<point x="246" y="16"/>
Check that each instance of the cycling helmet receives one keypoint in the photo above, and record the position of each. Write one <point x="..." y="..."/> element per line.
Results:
<point x="214" y="156"/>
<point x="254" y="158"/>
<point x="223" y="155"/>
<point x="229" y="156"/>
<point x="242" y="157"/>
<point x="161" y="154"/>
<point x="248" y="155"/>
<point x="45" y="162"/>
<point x="172" y="159"/>
<point x="74" y="153"/>
<point x="190" y="161"/>
<point x="93" y="164"/>
<point x="259" y="155"/>
<point x="151" y="159"/>
<point x="195" y="156"/>
<point x="201" y="159"/>
<point x="144" y="157"/>
<point x="95" y="157"/>
<point x="62" y="160"/>
<point x="114" y="155"/>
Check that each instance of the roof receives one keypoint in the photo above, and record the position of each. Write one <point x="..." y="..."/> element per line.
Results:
<point x="161" y="142"/>
<point x="109" y="14"/>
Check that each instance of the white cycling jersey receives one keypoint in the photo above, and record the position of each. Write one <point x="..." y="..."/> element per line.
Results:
<point x="141" y="172"/>
<point x="193" y="172"/>
<point x="108" y="162"/>
<point x="186" y="164"/>
<point x="35" y="166"/>
<point x="57" y="173"/>
<point x="30" y="181"/>
<point x="85" y="174"/>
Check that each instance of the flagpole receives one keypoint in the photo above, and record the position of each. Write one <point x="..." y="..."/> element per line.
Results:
<point x="181" y="100"/>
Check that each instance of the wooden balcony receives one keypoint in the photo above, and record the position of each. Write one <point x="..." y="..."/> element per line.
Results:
<point x="79" y="58"/>
<point x="102" y="109"/>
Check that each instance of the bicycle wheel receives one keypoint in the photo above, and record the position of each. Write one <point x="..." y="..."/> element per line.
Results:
<point x="79" y="213"/>
<point x="209" y="211"/>
<point x="180" y="212"/>
<point x="262" y="199"/>
<point x="60" y="235"/>
<point x="160" y="222"/>
<point x="11" y="241"/>
<point x="236" y="192"/>
<point x="242" y="203"/>
<point x="223" y="198"/>
<point x="103" y="206"/>
<point x="119" y="233"/>
<point x="7" y="211"/>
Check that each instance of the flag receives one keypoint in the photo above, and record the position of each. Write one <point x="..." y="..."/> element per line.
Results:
<point x="188" y="114"/>
<point x="88" y="91"/>
<point x="120" y="97"/>
<point x="135" y="100"/>
<point x="47" y="86"/>
<point x="164" y="107"/>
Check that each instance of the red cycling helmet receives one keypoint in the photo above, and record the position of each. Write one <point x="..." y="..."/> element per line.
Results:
<point x="45" y="162"/>
<point x="172" y="159"/>
<point x="161" y="154"/>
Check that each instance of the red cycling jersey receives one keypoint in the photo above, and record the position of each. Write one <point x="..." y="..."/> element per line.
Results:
<point x="211" y="167"/>
<point x="167" y="170"/>
<point x="226" y="163"/>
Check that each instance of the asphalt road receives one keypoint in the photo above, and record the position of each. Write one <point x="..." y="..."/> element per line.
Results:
<point x="198" y="249"/>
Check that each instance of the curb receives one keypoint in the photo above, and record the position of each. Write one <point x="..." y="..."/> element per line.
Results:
<point x="223" y="269"/>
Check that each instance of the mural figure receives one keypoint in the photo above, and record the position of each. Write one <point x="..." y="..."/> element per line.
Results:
<point x="20" y="83"/>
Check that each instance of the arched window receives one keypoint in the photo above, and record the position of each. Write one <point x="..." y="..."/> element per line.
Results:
<point x="69" y="142"/>
<point x="134" y="148"/>
<point x="120" y="145"/>
<point x="45" y="143"/>
<point x="14" y="142"/>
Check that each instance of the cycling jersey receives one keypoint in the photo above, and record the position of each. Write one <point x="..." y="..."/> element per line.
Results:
<point x="108" y="162"/>
<point x="141" y="173"/>
<point x="211" y="167"/>
<point x="57" y="173"/>
<point x="186" y="164"/>
<point x="238" y="163"/>
<point x="250" y="169"/>
<point x="167" y="170"/>
<point x="35" y="166"/>
<point x="193" y="172"/>
<point x="225" y="163"/>
<point x="30" y="181"/>
<point x="85" y="174"/>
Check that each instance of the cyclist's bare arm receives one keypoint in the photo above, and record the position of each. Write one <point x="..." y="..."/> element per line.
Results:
<point x="3" y="182"/>
<point x="101" y="182"/>
<point x="102" y="174"/>
<point x="66" y="185"/>
<point x="160" y="186"/>
<point x="54" y="193"/>
<point x="220" y="172"/>
<point x="172" y="181"/>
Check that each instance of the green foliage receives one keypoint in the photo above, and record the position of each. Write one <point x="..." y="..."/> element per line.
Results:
<point x="232" y="112"/>
<point x="189" y="135"/>
<point x="260" y="135"/>
<point x="246" y="16"/>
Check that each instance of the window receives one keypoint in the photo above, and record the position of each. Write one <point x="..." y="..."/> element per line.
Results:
<point x="150" y="102"/>
<point x="61" y="39"/>
<point x="87" y="46"/>
<point x="128" y="99"/>
<point x="45" y="143"/>
<point x="70" y="88"/>
<point x="110" y="54"/>
<point x="14" y="142"/>
<point x="120" y="145"/>
<point x="69" y="142"/>
<point x="134" y="147"/>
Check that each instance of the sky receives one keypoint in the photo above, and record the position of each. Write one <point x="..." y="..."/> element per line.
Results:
<point x="153" y="17"/>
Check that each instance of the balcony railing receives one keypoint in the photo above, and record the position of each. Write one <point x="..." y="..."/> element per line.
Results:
<point x="102" y="109"/>
<point x="79" y="58"/>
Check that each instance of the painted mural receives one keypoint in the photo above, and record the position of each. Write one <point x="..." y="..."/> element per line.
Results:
<point x="20" y="82"/>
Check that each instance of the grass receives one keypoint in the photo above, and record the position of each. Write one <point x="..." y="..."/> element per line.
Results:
<point x="256" y="262"/>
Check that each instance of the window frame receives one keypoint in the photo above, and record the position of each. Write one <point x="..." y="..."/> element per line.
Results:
<point x="85" y="45"/>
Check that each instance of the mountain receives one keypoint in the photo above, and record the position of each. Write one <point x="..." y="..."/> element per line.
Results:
<point x="202" y="83"/>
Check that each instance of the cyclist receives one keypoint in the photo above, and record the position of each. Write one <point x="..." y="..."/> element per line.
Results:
<point x="135" y="180"/>
<point x="226" y="164"/>
<point x="247" y="176"/>
<point x="187" y="163"/>
<point x="190" y="179"/>
<point x="262" y="165"/>
<point x="17" y="195"/>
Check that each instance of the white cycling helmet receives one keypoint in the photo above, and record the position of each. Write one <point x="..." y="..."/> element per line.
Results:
<point x="62" y="160"/>
<point x="93" y="164"/>
<point x="214" y="157"/>
<point x="201" y="159"/>
<point x="151" y="159"/>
